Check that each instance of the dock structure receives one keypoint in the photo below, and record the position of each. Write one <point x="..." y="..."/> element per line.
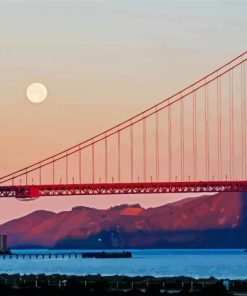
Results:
<point x="40" y="255"/>
<point x="53" y="255"/>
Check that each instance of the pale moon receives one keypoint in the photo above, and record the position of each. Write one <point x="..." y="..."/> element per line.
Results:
<point x="36" y="93"/>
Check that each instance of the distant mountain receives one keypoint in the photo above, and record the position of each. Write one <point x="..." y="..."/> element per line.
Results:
<point x="218" y="221"/>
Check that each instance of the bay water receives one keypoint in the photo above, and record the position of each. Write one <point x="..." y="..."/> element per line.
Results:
<point x="203" y="263"/>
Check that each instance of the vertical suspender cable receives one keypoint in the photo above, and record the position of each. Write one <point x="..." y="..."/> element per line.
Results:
<point x="119" y="157"/>
<point x="157" y="145"/>
<point x="194" y="138"/>
<point x="232" y="121"/>
<point x="208" y="159"/>
<point x="40" y="173"/>
<point x="169" y="143"/>
<point x="144" y="151"/>
<point x="206" y="133"/>
<point x="53" y="171"/>
<point x="219" y="156"/>
<point x="218" y="128"/>
<point x="26" y="177"/>
<point x="131" y="154"/>
<point x="220" y="104"/>
<point x="67" y="169"/>
<point x="106" y="159"/>
<point x="79" y="166"/>
<point x="244" y="86"/>
<point x="93" y="177"/>
<point x="182" y="138"/>
<point x="230" y="125"/>
<point x="242" y="123"/>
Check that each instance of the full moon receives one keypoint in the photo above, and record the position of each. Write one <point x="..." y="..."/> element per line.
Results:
<point x="36" y="93"/>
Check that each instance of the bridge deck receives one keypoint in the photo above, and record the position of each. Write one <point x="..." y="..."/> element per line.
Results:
<point x="35" y="191"/>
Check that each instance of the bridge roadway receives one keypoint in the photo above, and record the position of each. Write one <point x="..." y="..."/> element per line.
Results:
<point x="36" y="191"/>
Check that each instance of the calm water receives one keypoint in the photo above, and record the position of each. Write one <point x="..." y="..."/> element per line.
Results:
<point x="230" y="264"/>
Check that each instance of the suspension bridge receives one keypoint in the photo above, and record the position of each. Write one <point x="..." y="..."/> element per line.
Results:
<point x="192" y="141"/>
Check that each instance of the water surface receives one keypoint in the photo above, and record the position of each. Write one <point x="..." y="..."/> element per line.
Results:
<point x="230" y="264"/>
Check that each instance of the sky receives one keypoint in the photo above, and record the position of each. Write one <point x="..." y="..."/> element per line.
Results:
<point x="102" y="62"/>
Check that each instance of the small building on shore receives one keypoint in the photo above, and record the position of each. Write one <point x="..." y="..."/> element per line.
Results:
<point x="3" y="244"/>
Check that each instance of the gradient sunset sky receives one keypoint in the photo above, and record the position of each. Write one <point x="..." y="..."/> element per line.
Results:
<point x="102" y="62"/>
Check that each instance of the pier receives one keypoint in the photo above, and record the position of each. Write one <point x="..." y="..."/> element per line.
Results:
<point x="41" y="255"/>
<point x="97" y="255"/>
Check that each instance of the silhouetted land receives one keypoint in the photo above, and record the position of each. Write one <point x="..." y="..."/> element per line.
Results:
<point x="115" y="285"/>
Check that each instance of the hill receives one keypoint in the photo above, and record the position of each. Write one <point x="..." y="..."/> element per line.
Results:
<point x="217" y="221"/>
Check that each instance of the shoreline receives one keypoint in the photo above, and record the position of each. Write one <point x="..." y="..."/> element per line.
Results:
<point x="132" y="276"/>
<point x="117" y="284"/>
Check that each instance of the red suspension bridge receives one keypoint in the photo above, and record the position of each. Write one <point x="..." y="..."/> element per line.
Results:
<point x="193" y="141"/>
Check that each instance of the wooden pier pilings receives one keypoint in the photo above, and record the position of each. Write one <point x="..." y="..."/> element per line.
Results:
<point x="41" y="256"/>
